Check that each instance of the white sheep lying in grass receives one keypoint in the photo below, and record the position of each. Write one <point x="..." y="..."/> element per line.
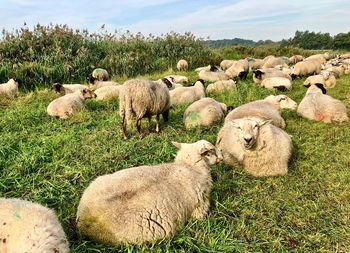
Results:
<point x="182" y="65"/>
<point x="266" y="109"/>
<point x="30" y="227"/>
<point x="107" y="92"/>
<point x="260" y="74"/>
<point x="178" y="79"/>
<point x="221" y="86"/>
<point x="278" y="83"/>
<point x="213" y="76"/>
<point x="149" y="203"/>
<point x="225" y="64"/>
<point x="144" y="98"/>
<point x="318" y="106"/>
<point x="68" y="88"/>
<point x="204" y="112"/>
<point x="326" y="78"/>
<point x="306" y="68"/>
<point x="67" y="105"/>
<point x="9" y="89"/>
<point x="239" y="69"/>
<point x="186" y="95"/>
<point x="262" y="149"/>
<point x="211" y="68"/>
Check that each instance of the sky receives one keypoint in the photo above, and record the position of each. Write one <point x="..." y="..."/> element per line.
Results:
<point x="216" y="19"/>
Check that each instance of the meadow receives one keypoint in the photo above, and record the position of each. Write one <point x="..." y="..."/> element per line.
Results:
<point x="52" y="161"/>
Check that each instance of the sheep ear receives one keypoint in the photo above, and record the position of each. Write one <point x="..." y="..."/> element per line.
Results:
<point x="321" y="87"/>
<point x="176" y="144"/>
<point x="167" y="82"/>
<point x="203" y="149"/>
<point x="264" y="122"/>
<point x="307" y="86"/>
<point x="85" y="91"/>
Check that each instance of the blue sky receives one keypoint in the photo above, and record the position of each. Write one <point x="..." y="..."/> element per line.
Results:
<point x="249" y="19"/>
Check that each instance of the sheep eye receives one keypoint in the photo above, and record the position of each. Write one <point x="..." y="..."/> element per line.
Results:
<point x="256" y="126"/>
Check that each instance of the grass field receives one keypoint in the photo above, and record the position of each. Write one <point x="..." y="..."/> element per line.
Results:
<point x="52" y="161"/>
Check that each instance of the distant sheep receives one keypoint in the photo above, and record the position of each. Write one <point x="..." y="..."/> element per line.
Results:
<point x="260" y="74"/>
<point x="221" y="86"/>
<point x="262" y="149"/>
<point x="255" y="63"/>
<point x="30" y="227"/>
<point x="306" y="68"/>
<point x="273" y="61"/>
<point x="107" y="92"/>
<point x="295" y="59"/>
<point x="182" y="65"/>
<point x="67" y="88"/>
<point x="67" y="105"/>
<point x="185" y="95"/>
<point x="100" y="74"/>
<point x="9" y="89"/>
<point x="225" y="64"/>
<point x="149" y="203"/>
<point x="278" y="83"/>
<point x="239" y="69"/>
<point x="318" y="106"/>
<point x="213" y="76"/>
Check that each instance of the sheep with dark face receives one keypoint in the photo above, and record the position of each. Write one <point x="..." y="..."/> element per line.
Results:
<point x="261" y="74"/>
<point x="239" y="69"/>
<point x="67" y="88"/>
<point x="306" y="68"/>
<point x="186" y="95"/>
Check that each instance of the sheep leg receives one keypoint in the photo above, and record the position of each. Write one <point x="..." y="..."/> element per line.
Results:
<point x="138" y="125"/>
<point x="166" y="116"/>
<point x="125" y="132"/>
<point x="157" y="124"/>
<point x="202" y="209"/>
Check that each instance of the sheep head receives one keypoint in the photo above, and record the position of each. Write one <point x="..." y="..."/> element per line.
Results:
<point x="57" y="87"/>
<point x="282" y="102"/>
<point x="316" y="88"/>
<point x="86" y="94"/>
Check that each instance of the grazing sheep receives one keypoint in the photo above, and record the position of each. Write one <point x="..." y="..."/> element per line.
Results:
<point x="295" y="59"/>
<point x="239" y="69"/>
<point x="29" y="227"/>
<point x="149" y="203"/>
<point x="225" y="64"/>
<point x="67" y="88"/>
<point x="255" y="63"/>
<point x="107" y="92"/>
<point x="143" y="98"/>
<point x="273" y="61"/>
<point x="306" y="68"/>
<point x="9" y="89"/>
<point x="260" y="74"/>
<point x="318" y="106"/>
<point x="213" y="76"/>
<point x="182" y="65"/>
<point x="221" y="86"/>
<point x="95" y="84"/>
<point x="178" y="79"/>
<point x="67" y="105"/>
<point x="326" y="78"/>
<point x="278" y="83"/>
<point x="204" y="112"/>
<point x="262" y="149"/>
<point x="267" y="109"/>
<point x="184" y="95"/>
<point x="100" y="74"/>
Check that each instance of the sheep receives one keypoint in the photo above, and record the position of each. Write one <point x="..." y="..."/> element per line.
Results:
<point x="95" y="84"/>
<point x="239" y="69"/>
<point x="144" y="98"/>
<point x="225" y="64"/>
<point x="149" y="203"/>
<point x="221" y="86"/>
<point x="345" y="56"/>
<point x="67" y="105"/>
<point x="204" y="112"/>
<point x="306" y="68"/>
<point x="296" y="58"/>
<point x="260" y="74"/>
<point x="267" y="109"/>
<point x="255" y="63"/>
<point x="178" y="79"/>
<point x="317" y="57"/>
<point x="326" y="78"/>
<point x="337" y="71"/>
<point x="318" y="106"/>
<point x="29" y="227"/>
<point x="284" y="69"/>
<point x="211" y="68"/>
<point x="213" y="76"/>
<point x="262" y="149"/>
<point x="67" y="88"/>
<point x="273" y="61"/>
<point x="9" y="89"/>
<point x="100" y="74"/>
<point x="107" y="92"/>
<point x="182" y="65"/>
<point x="278" y="83"/>
<point x="184" y="95"/>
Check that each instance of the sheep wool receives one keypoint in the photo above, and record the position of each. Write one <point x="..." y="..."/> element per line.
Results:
<point x="260" y="74"/>
<point x="68" y="88"/>
<point x="149" y="203"/>
<point x="221" y="86"/>
<point x="29" y="227"/>
<point x="278" y="83"/>
<point x="186" y="95"/>
<point x="9" y="89"/>
<point x="182" y="65"/>
<point x="107" y="92"/>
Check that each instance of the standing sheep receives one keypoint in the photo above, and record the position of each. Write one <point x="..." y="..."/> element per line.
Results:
<point x="95" y="84"/>
<point x="221" y="86"/>
<point x="182" y="65"/>
<point x="9" y="89"/>
<point x="149" y="203"/>
<point x="318" y="106"/>
<point x="273" y="61"/>
<point x="204" y="112"/>
<point x="143" y="98"/>
<point x="30" y="227"/>
<point x="186" y="95"/>
<point x="65" y="106"/>
<point x="262" y="149"/>
<point x="239" y="69"/>
<point x="278" y="83"/>
<point x="100" y="74"/>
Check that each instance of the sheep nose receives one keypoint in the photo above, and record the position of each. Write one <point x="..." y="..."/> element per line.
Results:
<point x="248" y="140"/>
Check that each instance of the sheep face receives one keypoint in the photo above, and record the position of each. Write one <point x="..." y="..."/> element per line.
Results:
<point x="316" y="88"/>
<point x="57" y="87"/>
<point x="168" y="83"/>
<point x="248" y="130"/>
<point x="286" y="102"/>
<point x="86" y="94"/>
<point x="258" y="73"/>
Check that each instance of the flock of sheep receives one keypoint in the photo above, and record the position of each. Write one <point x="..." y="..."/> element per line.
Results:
<point x="149" y="203"/>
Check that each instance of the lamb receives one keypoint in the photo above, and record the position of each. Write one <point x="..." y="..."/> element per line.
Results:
<point x="318" y="106"/>
<point x="178" y="79"/>
<point x="273" y="61"/>
<point x="95" y="84"/>
<point x="29" y="227"/>
<point x="67" y="105"/>
<point x="267" y="109"/>
<point x="143" y="98"/>
<point x="9" y="89"/>
<point x="260" y="74"/>
<point x="148" y="203"/>
<point x="221" y="86"/>
<point x="204" y="112"/>
<point x="107" y="92"/>
<point x="184" y="95"/>
<point x="306" y="68"/>
<point x="225" y="64"/>
<point x="326" y="78"/>
<point x="100" y="74"/>
<point x="67" y="88"/>
<point x="278" y="83"/>
<point x="213" y="76"/>
<point x="239" y="69"/>
<point x="295" y="59"/>
<point x="182" y="65"/>
<point x="262" y="149"/>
